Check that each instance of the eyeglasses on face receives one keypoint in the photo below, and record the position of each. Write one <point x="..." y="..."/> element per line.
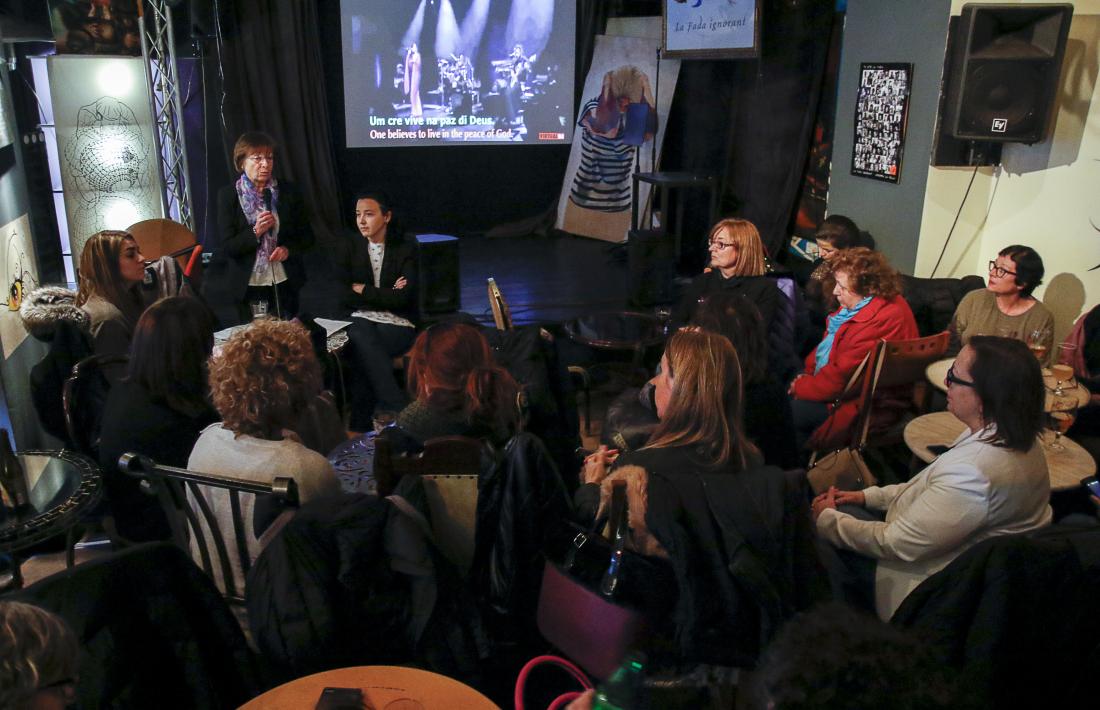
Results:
<point x="261" y="159"/>
<point x="720" y="245"/>
<point x="951" y="379"/>
<point x="999" y="271"/>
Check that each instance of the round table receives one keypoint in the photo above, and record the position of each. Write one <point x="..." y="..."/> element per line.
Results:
<point x="62" y="485"/>
<point x="617" y="330"/>
<point x="1066" y="467"/>
<point x="384" y="687"/>
<point x="1075" y="395"/>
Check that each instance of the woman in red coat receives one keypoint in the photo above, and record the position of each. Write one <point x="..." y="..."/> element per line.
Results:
<point x="871" y="309"/>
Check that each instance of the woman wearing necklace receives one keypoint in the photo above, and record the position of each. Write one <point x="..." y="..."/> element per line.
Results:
<point x="376" y="273"/>
<point x="263" y="229"/>
<point x="1006" y="308"/>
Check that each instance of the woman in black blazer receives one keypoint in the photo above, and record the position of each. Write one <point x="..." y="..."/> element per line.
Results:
<point x="376" y="272"/>
<point x="263" y="228"/>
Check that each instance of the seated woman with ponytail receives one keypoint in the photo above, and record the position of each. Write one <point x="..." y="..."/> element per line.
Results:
<point x="457" y="389"/>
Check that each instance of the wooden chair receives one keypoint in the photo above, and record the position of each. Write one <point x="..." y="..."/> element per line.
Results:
<point x="442" y="456"/>
<point x="82" y="399"/>
<point x="502" y="314"/>
<point x="192" y="519"/>
<point x="164" y="237"/>
<point x="452" y="504"/>
<point x="895" y="364"/>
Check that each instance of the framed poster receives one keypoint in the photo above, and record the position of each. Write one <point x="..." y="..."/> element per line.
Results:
<point x="711" y="29"/>
<point x="882" y="111"/>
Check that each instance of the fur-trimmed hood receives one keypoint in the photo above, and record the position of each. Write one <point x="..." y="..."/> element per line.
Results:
<point x="637" y="497"/>
<point x="43" y="308"/>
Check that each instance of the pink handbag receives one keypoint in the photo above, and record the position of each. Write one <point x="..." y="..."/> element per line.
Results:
<point x="587" y="624"/>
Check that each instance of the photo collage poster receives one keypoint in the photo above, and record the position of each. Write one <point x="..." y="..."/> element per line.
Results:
<point x="882" y="111"/>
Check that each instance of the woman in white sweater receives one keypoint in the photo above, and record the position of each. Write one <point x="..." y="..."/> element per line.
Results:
<point x="260" y="382"/>
<point x="993" y="480"/>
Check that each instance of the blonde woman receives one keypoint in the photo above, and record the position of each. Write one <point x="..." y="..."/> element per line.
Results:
<point x="696" y="487"/>
<point x="111" y="271"/>
<point x="736" y="265"/>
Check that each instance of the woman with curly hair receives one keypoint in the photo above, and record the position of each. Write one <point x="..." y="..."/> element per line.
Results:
<point x="736" y="265"/>
<point x="111" y="271"/>
<point x="38" y="658"/>
<point x="260" y="382"/>
<point x="871" y="308"/>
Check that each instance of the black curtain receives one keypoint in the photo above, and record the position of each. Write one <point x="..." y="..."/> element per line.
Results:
<point x="274" y="83"/>
<point x="749" y="122"/>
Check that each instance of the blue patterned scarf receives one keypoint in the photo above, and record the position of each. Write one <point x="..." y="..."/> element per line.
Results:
<point x="825" y="347"/>
<point x="252" y="204"/>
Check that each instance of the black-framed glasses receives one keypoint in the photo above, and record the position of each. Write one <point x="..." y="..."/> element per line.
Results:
<point x="721" y="245"/>
<point x="951" y="379"/>
<point x="999" y="271"/>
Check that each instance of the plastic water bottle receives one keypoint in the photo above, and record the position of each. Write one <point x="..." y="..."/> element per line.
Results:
<point x="623" y="689"/>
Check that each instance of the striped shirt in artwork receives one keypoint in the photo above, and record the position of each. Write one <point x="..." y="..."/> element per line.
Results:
<point x="602" y="181"/>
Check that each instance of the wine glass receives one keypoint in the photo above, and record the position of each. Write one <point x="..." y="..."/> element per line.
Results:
<point x="1037" y="342"/>
<point x="1061" y="417"/>
<point x="1063" y="371"/>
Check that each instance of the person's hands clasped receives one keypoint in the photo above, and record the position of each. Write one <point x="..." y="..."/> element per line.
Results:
<point x="597" y="464"/>
<point x="279" y="254"/>
<point x="833" y="497"/>
<point x="790" y="389"/>
<point x="400" y="283"/>
<point x="264" y="223"/>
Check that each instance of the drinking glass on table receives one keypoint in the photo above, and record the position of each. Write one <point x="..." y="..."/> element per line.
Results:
<point x="1037" y="342"/>
<point x="259" y="309"/>
<point x="1063" y="370"/>
<point x="1061" y="417"/>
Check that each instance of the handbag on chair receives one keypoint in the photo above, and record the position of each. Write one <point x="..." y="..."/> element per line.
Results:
<point x="593" y="603"/>
<point x="843" y="468"/>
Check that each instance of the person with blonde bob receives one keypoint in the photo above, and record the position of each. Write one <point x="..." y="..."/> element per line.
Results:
<point x="260" y="382"/>
<point x="38" y="659"/>
<point x="698" y="398"/>
<point x="737" y="264"/>
<point x="696" y="477"/>
<point x="109" y="289"/>
<point x="871" y="308"/>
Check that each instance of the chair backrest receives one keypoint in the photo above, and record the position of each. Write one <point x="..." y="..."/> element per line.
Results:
<point x="452" y="504"/>
<point x="164" y="237"/>
<point x="444" y="455"/>
<point x="193" y="519"/>
<point x="896" y="363"/>
<point x="83" y="397"/>
<point x="502" y="314"/>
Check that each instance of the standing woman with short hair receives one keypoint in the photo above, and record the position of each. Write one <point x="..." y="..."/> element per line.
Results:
<point x="263" y="228"/>
<point x="111" y="271"/>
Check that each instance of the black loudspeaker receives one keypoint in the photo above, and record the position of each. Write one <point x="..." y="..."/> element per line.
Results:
<point x="437" y="264"/>
<point x="1003" y="71"/>
<point x="651" y="267"/>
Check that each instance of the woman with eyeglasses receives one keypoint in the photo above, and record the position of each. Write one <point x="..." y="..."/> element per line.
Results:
<point x="1006" y="307"/>
<point x="263" y="228"/>
<point x="871" y="308"/>
<point x="992" y="481"/>
<point x="736" y="265"/>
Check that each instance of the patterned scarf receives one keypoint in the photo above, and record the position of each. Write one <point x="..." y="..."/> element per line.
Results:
<point x="825" y="347"/>
<point x="252" y="204"/>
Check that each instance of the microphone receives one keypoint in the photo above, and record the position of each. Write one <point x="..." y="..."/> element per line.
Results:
<point x="270" y="267"/>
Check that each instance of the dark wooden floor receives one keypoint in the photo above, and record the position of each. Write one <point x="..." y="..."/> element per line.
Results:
<point x="544" y="279"/>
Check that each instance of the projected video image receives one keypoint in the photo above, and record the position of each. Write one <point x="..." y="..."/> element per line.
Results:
<point x="422" y="72"/>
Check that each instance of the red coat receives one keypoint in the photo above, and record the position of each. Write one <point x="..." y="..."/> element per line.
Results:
<point x="888" y="319"/>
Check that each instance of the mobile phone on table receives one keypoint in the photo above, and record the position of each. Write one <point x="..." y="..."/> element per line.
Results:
<point x="1093" y="485"/>
<point x="340" y="699"/>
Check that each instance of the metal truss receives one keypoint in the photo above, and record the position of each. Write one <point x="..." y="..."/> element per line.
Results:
<point x="158" y="49"/>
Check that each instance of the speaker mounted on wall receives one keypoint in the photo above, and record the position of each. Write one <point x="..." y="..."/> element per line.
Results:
<point x="1005" y="62"/>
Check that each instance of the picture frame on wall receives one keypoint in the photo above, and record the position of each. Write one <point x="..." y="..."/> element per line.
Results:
<point x="710" y="29"/>
<point x="882" y="114"/>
